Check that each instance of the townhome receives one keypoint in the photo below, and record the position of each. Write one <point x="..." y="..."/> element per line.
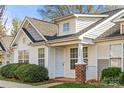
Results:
<point x="74" y="46"/>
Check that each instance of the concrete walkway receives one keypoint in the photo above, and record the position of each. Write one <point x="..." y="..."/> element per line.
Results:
<point x="9" y="84"/>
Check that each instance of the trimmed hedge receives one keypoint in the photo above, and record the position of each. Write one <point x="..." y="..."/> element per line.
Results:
<point x="25" y="72"/>
<point x="111" y="72"/>
<point x="31" y="73"/>
<point x="8" y="70"/>
<point x="121" y="80"/>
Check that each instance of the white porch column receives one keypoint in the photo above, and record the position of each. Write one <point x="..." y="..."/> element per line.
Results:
<point x="80" y="66"/>
<point x="80" y="54"/>
<point x="122" y="57"/>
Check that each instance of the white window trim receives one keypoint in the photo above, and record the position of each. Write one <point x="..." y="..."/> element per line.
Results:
<point x="39" y="58"/>
<point x="84" y="58"/>
<point x="111" y="57"/>
<point x="23" y="56"/>
<point x="66" y="27"/>
<point x="73" y="58"/>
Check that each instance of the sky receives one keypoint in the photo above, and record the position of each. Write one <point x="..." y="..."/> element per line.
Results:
<point x="20" y="11"/>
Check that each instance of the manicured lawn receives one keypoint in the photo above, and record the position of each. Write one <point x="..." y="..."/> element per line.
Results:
<point x="74" y="85"/>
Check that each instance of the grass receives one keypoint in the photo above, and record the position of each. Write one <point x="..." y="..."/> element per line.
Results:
<point x="75" y="85"/>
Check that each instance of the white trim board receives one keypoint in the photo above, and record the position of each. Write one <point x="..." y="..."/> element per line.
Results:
<point x="88" y="33"/>
<point x="26" y="19"/>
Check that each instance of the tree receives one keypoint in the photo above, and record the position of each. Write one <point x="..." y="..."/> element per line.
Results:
<point x="2" y="28"/>
<point x="2" y="24"/>
<point x="49" y="12"/>
<point x="15" y="26"/>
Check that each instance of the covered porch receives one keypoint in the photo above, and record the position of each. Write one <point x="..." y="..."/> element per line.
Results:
<point x="66" y="57"/>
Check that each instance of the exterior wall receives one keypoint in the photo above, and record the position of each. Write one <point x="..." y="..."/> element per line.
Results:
<point x="104" y="49"/>
<point x="72" y="24"/>
<point x="67" y="71"/>
<point x="76" y="24"/>
<point x="6" y="58"/>
<point x="91" y="66"/>
<point x="33" y="55"/>
<point x="82" y="23"/>
<point x="91" y="71"/>
<point x="102" y="64"/>
<point x="103" y="53"/>
<point x="51" y="62"/>
<point x="21" y="46"/>
<point x="97" y="31"/>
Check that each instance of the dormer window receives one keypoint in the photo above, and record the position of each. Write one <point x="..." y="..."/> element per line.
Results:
<point x="65" y="27"/>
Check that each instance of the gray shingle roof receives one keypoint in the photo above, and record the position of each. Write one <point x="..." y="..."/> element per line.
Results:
<point x="49" y="30"/>
<point x="6" y="41"/>
<point x="110" y="13"/>
<point x="44" y="27"/>
<point x="30" y="36"/>
<point x="2" y="47"/>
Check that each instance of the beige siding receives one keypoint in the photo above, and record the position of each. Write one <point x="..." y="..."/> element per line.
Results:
<point x="67" y="71"/>
<point x="92" y="55"/>
<point x="72" y="23"/>
<point x="99" y="30"/>
<point x="76" y="24"/>
<point x="82" y="23"/>
<point x="92" y="62"/>
<point x="33" y="54"/>
<point x="51" y="62"/>
<point x="103" y="51"/>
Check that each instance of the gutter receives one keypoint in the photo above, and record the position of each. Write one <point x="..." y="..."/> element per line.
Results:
<point x="109" y="39"/>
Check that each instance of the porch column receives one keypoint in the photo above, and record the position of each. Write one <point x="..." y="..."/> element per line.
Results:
<point x="122" y="57"/>
<point x="80" y="66"/>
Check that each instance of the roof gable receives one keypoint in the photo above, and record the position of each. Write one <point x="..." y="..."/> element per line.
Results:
<point x="5" y="42"/>
<point x="28" y="33"/>
<point x="45" y="28"/>
<point x="103" y="26"/>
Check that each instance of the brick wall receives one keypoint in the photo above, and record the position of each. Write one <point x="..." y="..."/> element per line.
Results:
<point x="80" y="72"/>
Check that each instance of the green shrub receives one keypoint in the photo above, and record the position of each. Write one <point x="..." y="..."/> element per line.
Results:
<point x="8" y="70"/>
<point x="111" y="72"/>
<point x="31" y="73"/>
<point x="0" y="70"/>
<point x="121" y="80"/>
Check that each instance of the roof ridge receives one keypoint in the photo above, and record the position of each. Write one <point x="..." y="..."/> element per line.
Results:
<point x="39" y="20"/>
<point x="111" y="10"/>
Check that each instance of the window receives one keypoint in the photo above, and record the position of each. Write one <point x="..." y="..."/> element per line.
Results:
<point x="85" y="54"/>
<point x="115" y="58"/>
<point x="73" y="57"/>
<point x="122" y="29"/>
<point x="116" y="62"/>
<point x="41" y="56"/>
<point x="23" y="56"/>
<point x="115" y="50"/>
<point x="65" y="27"/>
